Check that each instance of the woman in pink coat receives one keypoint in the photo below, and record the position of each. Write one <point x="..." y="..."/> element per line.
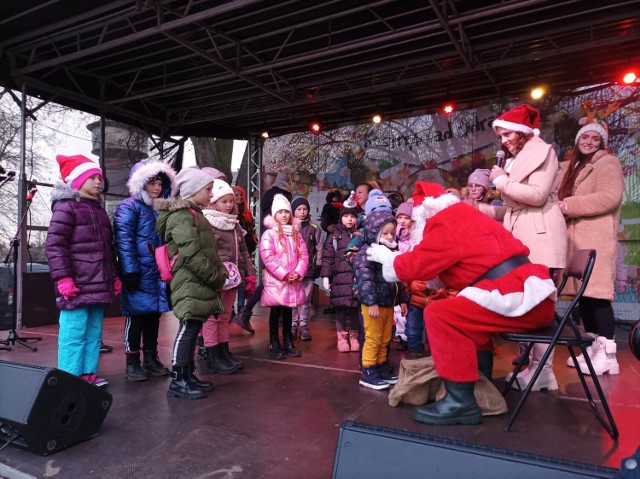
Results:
<point x="529" y="186"/>
<point x="285" y="258"/>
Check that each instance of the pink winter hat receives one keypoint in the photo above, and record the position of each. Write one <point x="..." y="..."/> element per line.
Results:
<point x="75" y="170"/>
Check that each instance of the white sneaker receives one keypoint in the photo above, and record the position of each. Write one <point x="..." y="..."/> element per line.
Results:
<point x="580" y="358"/>
<point x="604" y="357"/>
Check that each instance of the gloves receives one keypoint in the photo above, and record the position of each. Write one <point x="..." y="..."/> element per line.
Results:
<point x="117" y="287"/>
<point x="326" y="284"/>
<point x="67" y="288"/>
<point x="383" y="255"/>
<point x="131" y="281"/>
<point x="249" y="286"/>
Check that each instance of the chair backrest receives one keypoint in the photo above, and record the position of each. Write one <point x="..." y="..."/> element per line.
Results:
<point x="580" y="267"/>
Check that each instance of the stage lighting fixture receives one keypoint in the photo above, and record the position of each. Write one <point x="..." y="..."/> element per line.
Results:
<point x="629" y="78"/>
<point x="376" y="118"/>
<point x="537" y="93"/>
<point x="448" y="108"/>
<point x="315" y="127"/>
<point x="264" y="134"/>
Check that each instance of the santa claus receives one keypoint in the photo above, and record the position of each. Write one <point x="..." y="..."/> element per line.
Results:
<point x="500" y="290"/>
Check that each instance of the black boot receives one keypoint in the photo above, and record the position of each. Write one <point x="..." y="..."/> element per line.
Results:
<point x="275" y="350"/>
<point x="485" y="364"/>
<point x="458" y="406"/>
<point x="230" y="357"/>
<point x="242" y="318"/>
<point x="205" y="386"/>
<point x="202" y="352"/>
<point x="152" y="364"/>
<point x="182" y="386"/>
<point x="217" y="363"/>
<point x="133" y="370"/>
<point x="287" y="344"/>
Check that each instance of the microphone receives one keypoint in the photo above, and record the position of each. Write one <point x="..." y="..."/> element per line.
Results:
<point x="500" y="158"/>
<point x="32" y="193"/>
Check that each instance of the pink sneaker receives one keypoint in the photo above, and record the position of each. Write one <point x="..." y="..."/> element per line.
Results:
<point x="343" y="342"/>
<point x="95" y="380"/>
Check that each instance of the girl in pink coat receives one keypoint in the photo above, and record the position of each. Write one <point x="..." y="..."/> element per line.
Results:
<point x="285" y="258"/>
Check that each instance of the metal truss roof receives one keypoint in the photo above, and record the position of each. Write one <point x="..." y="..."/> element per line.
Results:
<point x="228" y="68"/>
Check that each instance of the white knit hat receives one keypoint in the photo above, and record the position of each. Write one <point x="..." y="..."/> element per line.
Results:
<point x="280" y="202"/>
<point x="191" y="180"/>
<point x="599" y="127"/>
<point x="215" y="174"/>
<point x="220" y="188"/>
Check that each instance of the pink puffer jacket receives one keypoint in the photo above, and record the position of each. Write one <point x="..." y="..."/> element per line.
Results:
<point x="281" y="256"/>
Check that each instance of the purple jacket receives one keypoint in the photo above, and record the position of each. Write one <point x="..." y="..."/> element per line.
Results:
<point x="80" y="246"/>
<point x="282" y="255"/>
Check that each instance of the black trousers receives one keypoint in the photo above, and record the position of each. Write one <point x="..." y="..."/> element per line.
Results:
<point x="141" y="327"/>
<point x="597" y="316"/>
<point x="185" y="345"/>
<point x="287" y="320"/>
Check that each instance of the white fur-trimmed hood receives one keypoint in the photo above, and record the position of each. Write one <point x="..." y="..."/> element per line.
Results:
<point x="145" y="170"/>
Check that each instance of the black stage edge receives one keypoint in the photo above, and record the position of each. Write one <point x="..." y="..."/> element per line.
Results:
<point x="365" y="450"/>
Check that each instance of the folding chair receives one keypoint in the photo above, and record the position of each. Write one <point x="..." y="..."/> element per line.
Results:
<point x="564" y="331"/>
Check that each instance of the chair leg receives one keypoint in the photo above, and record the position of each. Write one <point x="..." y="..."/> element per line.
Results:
<point x="610" y="424"/>
<point x="529" y="387"/>
<point x="517" y="369"/>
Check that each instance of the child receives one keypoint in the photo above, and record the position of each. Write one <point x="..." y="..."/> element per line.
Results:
<point x="377" y="298"/>
<point x="285" y="258"/>
<point x="337" y="277"/>
<point x="144" y="297"/>
<point x="247" y="223"/>
<point x="312" y="236"/>
<point x="403" y="236"/>
<point x="82" y="261"/>
<point x="198" y="274"/>
<point x="231" y="248"/>
<point x="330" y="215"/>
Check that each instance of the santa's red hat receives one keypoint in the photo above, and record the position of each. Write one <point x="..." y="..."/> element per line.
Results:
<point x="522" y="118"/>
<point x="425" y="189"/>
<point x="75" y="170"/>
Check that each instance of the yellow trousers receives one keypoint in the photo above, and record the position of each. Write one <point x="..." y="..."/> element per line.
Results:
<point x="377" y="335"/>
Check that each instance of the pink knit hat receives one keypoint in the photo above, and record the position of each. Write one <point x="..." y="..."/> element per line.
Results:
<point x="75" y="170"/>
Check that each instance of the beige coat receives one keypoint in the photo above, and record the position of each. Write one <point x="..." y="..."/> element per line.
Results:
<point x="592" y="219"/>
<point x="530" y="210"/>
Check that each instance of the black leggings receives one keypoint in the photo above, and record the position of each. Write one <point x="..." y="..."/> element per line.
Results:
<point x="141" y="326"/>
<point x="344" y="314"/>
<point x="185" y="345"/>
<point x="287" y="320"/>
<point x="597" y="316"/>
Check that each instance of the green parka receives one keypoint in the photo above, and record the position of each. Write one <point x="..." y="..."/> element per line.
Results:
<point x="198" y="275"/>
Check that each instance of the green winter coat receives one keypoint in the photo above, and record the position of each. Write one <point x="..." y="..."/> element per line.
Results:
<point x="198" y="275"/>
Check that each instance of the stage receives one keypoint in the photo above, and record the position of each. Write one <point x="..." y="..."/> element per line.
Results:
<point x="282" y="418"/>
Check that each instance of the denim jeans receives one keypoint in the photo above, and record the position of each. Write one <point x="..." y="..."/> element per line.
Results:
<point x="414" y="329"/>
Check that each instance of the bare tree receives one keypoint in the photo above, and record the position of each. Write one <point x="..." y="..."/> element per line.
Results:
<point x="214" y="152"/>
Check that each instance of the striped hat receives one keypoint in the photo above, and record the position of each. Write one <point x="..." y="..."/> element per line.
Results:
<point x="75" y="170"/>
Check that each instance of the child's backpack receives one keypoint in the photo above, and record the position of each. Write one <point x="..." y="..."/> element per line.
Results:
<point x="161" y="255"/>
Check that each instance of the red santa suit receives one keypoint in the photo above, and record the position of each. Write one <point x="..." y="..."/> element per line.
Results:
<point x="459" y="245"/>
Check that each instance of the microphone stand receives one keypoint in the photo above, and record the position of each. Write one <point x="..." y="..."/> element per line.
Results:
<point x="13" y="337"/>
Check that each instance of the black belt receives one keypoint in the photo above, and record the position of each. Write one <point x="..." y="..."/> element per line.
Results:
<point x="503" y="268"/>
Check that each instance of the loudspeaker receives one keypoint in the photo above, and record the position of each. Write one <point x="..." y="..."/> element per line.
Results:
<point x="46" y="409"/>
<point x="378" y="452"/>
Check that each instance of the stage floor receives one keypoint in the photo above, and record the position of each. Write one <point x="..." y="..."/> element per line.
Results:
<point x="282" y="418"/>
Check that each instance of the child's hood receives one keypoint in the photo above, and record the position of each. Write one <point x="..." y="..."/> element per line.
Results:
<point x="374" y="223"/>
<point x="166" y="206"/>
<point x="143" y="171"/>
<point x="270" y="222"/>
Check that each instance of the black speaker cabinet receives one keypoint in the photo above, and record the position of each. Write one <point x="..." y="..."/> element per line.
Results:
<point x="46" y="409"/>
<point x="377" y="452"/>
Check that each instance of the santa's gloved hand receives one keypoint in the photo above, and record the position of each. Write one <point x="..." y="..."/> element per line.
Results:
<point x="326" y="284"/>
<point x="67" y="288"/>
<point x="117" y="287"/>
<point x="383" y="255"/>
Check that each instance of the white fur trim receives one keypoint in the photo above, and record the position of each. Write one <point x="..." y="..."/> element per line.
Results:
<point x="80" y="170"/>
<point x="431" y="206"/>
<point x="149" y="169"/>
<point x="508" y="125"/>
<point x="512" y="305"/>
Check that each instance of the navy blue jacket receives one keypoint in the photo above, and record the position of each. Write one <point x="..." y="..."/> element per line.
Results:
<point x="372" y="288"/>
